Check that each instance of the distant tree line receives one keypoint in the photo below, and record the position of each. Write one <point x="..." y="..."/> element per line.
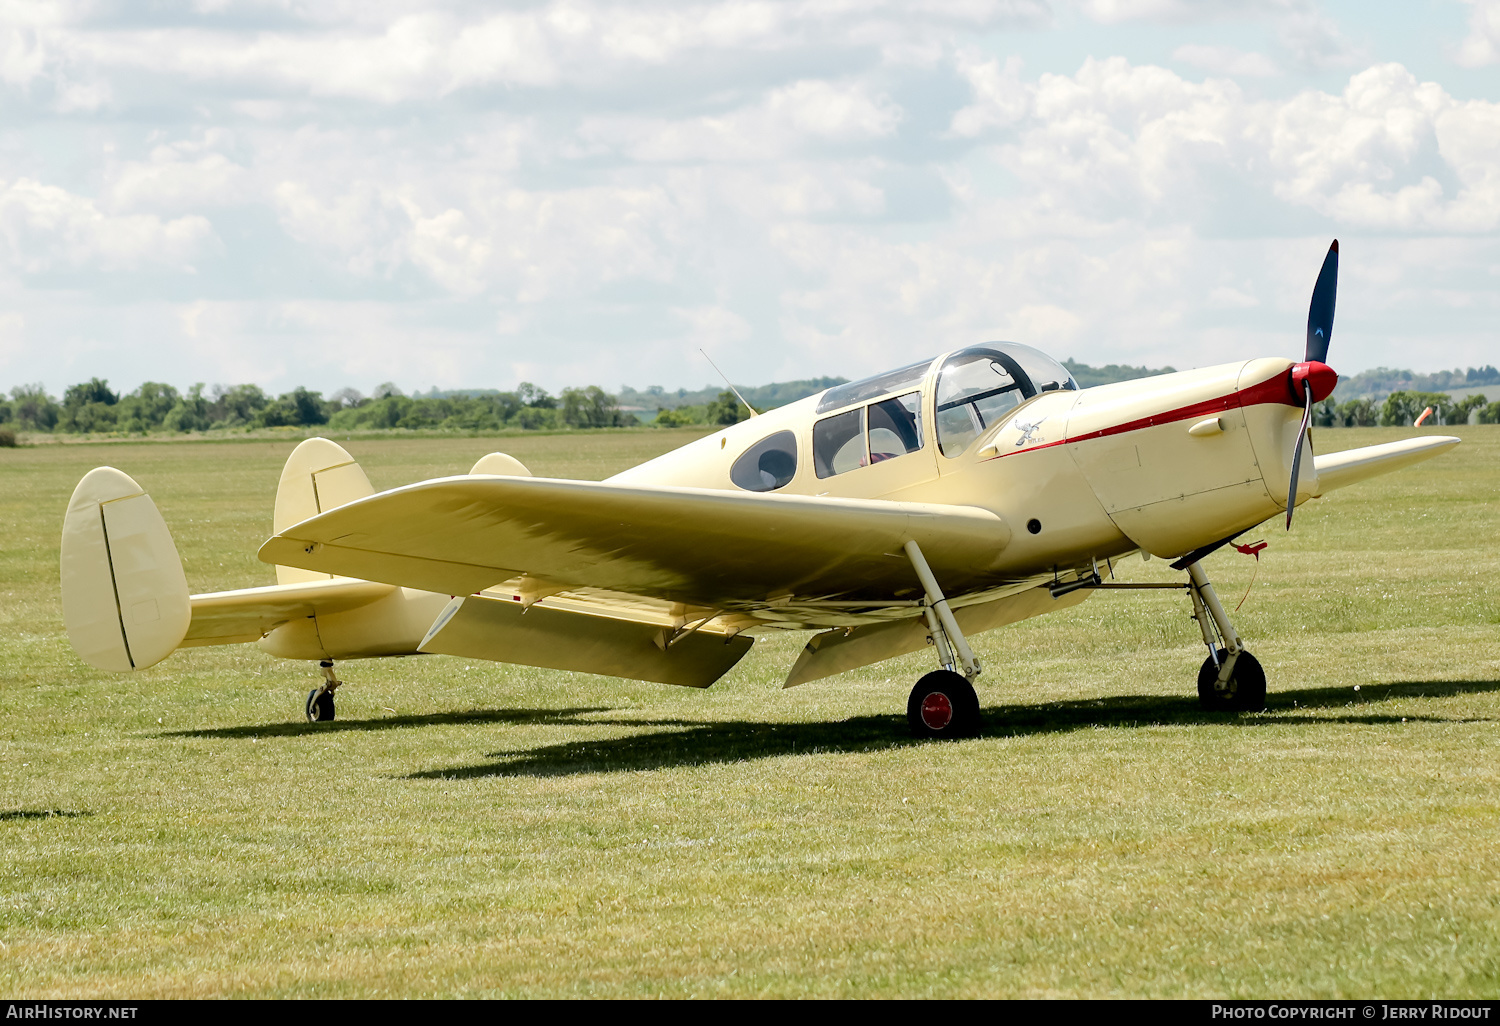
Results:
<point x="1403" y="408"/>
<point x="762" y="397"/>
<point x="93" y="407"/>
<point x="1381" y="382"/>
<point x="1088" y="377"/>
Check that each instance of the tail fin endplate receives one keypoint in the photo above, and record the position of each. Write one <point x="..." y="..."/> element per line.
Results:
<point x="319" y="476"/>
<point x="125" y="597"/>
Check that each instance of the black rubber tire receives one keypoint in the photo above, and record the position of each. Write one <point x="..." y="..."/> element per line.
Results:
<point x="943" y="706"/>
<point x="319" y="707"/>
<point x="1244" y="692"/>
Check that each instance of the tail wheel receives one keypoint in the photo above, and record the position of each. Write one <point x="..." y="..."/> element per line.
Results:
<point x="1244" y="691"/>
<point x="943" y="705"/>
<point x="319" y="705"/>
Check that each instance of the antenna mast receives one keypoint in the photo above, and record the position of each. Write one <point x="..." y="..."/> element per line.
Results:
<point x="736" y="391"/>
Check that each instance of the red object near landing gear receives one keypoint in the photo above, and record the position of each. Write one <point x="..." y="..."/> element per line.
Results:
<point x="943" y="705"/>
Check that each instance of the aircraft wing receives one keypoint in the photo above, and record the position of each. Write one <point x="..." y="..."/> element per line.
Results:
<point x="1338" y="469"/>
<point x="700" y="547"/>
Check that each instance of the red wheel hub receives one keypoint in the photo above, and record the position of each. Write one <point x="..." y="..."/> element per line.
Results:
<point x="937" y="711"/>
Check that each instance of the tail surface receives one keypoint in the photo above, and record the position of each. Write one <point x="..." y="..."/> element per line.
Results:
<point x="125" y="598"/>
<point x="319" y="476"/>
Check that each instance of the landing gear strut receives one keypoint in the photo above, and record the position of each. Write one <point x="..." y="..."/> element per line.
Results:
<point x="320" y="698"/>
<point x="1230" y="679"/>
<point x="943" y="703"/>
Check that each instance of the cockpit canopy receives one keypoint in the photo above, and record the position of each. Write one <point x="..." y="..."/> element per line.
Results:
<point x="975" y="388"/>
<point x="979" y="385"/>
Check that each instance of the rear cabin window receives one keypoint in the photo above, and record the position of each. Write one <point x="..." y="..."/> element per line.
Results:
<point x="871" y="434"/>
<point x="869" y="388"/>
<point x="767" y="465"/>
<point x="839" y="443"/>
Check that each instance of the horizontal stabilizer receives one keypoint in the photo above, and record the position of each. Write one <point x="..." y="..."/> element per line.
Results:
<point x="1337" y="469"/>
<point x="125" y="598"/>
<point x="483" y="627"/>
<point x="249" y="614"/>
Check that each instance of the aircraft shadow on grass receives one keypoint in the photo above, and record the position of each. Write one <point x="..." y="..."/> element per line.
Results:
<point x="7" y="815"/>
<point x="688" y="742"/>
<point x="470" y="717"/>
<point x="700" y="743"/>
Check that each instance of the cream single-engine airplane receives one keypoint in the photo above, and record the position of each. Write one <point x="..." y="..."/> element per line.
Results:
<point x="915" y="508"/>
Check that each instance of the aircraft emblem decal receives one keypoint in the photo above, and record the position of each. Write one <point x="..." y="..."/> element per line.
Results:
<point x="1027" y="430"/>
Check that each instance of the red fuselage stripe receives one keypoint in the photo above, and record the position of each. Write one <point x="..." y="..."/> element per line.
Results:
<point x="1272" y="390"/>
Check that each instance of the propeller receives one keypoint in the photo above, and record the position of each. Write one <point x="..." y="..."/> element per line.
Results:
<point x="1313" y="380"/>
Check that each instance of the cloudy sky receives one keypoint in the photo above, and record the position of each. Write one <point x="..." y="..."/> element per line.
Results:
<point x="472" y="194"/>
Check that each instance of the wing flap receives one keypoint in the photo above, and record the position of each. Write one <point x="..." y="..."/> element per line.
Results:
<point x="461" y="535"/>
<point x="836" y="651"/>
<point x="485" y="627"/>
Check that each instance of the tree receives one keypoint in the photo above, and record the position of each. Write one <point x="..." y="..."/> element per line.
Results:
<point x="682" y="416"/>
<point x="1404" y="407"/>
<point x="33" y="409"/>
<point x="297" y="408"/>
<point x="192" y="412"/>
<point x="94" y="390"/>
<point x="536" y="418"/>
<point x="1465" y="407"/>
<point x="535" y="397"/>
<point x="727" y="409"/>
<point x="147" y="407"/>
<point x="590" y="407"/>
<point x="1358" y="413"/>
<point x="89" y="406"/>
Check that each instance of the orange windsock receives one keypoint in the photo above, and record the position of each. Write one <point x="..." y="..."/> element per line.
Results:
<point x="1425" y="414"/>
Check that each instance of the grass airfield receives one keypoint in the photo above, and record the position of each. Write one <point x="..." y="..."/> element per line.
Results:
<point x="474" y="829"/>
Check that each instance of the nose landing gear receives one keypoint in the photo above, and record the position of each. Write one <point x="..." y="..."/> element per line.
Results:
<point x="1231" y="679"/>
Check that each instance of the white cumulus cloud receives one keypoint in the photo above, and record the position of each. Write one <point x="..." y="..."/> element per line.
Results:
<point x="45" y="228"/>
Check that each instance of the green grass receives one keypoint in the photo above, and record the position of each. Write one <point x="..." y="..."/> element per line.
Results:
<point x="479" y="829"/>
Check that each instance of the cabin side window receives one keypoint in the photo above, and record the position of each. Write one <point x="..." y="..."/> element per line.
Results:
<point x="767" y="465"/>
<point x="871" y="434"/>
<point x="839" y="443"/>
<point x="895" y="427"/>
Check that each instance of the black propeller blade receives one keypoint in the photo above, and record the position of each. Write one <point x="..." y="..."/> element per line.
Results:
<point x="1319" y="331"/>
<point x="1320" y="312"/>
<point x="1291" y="495"/>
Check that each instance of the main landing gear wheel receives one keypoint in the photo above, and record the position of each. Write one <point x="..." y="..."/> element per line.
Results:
<point x="1244" y="691"/>
<point x="319" y="705"/>
<point x="943" y="705"/>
